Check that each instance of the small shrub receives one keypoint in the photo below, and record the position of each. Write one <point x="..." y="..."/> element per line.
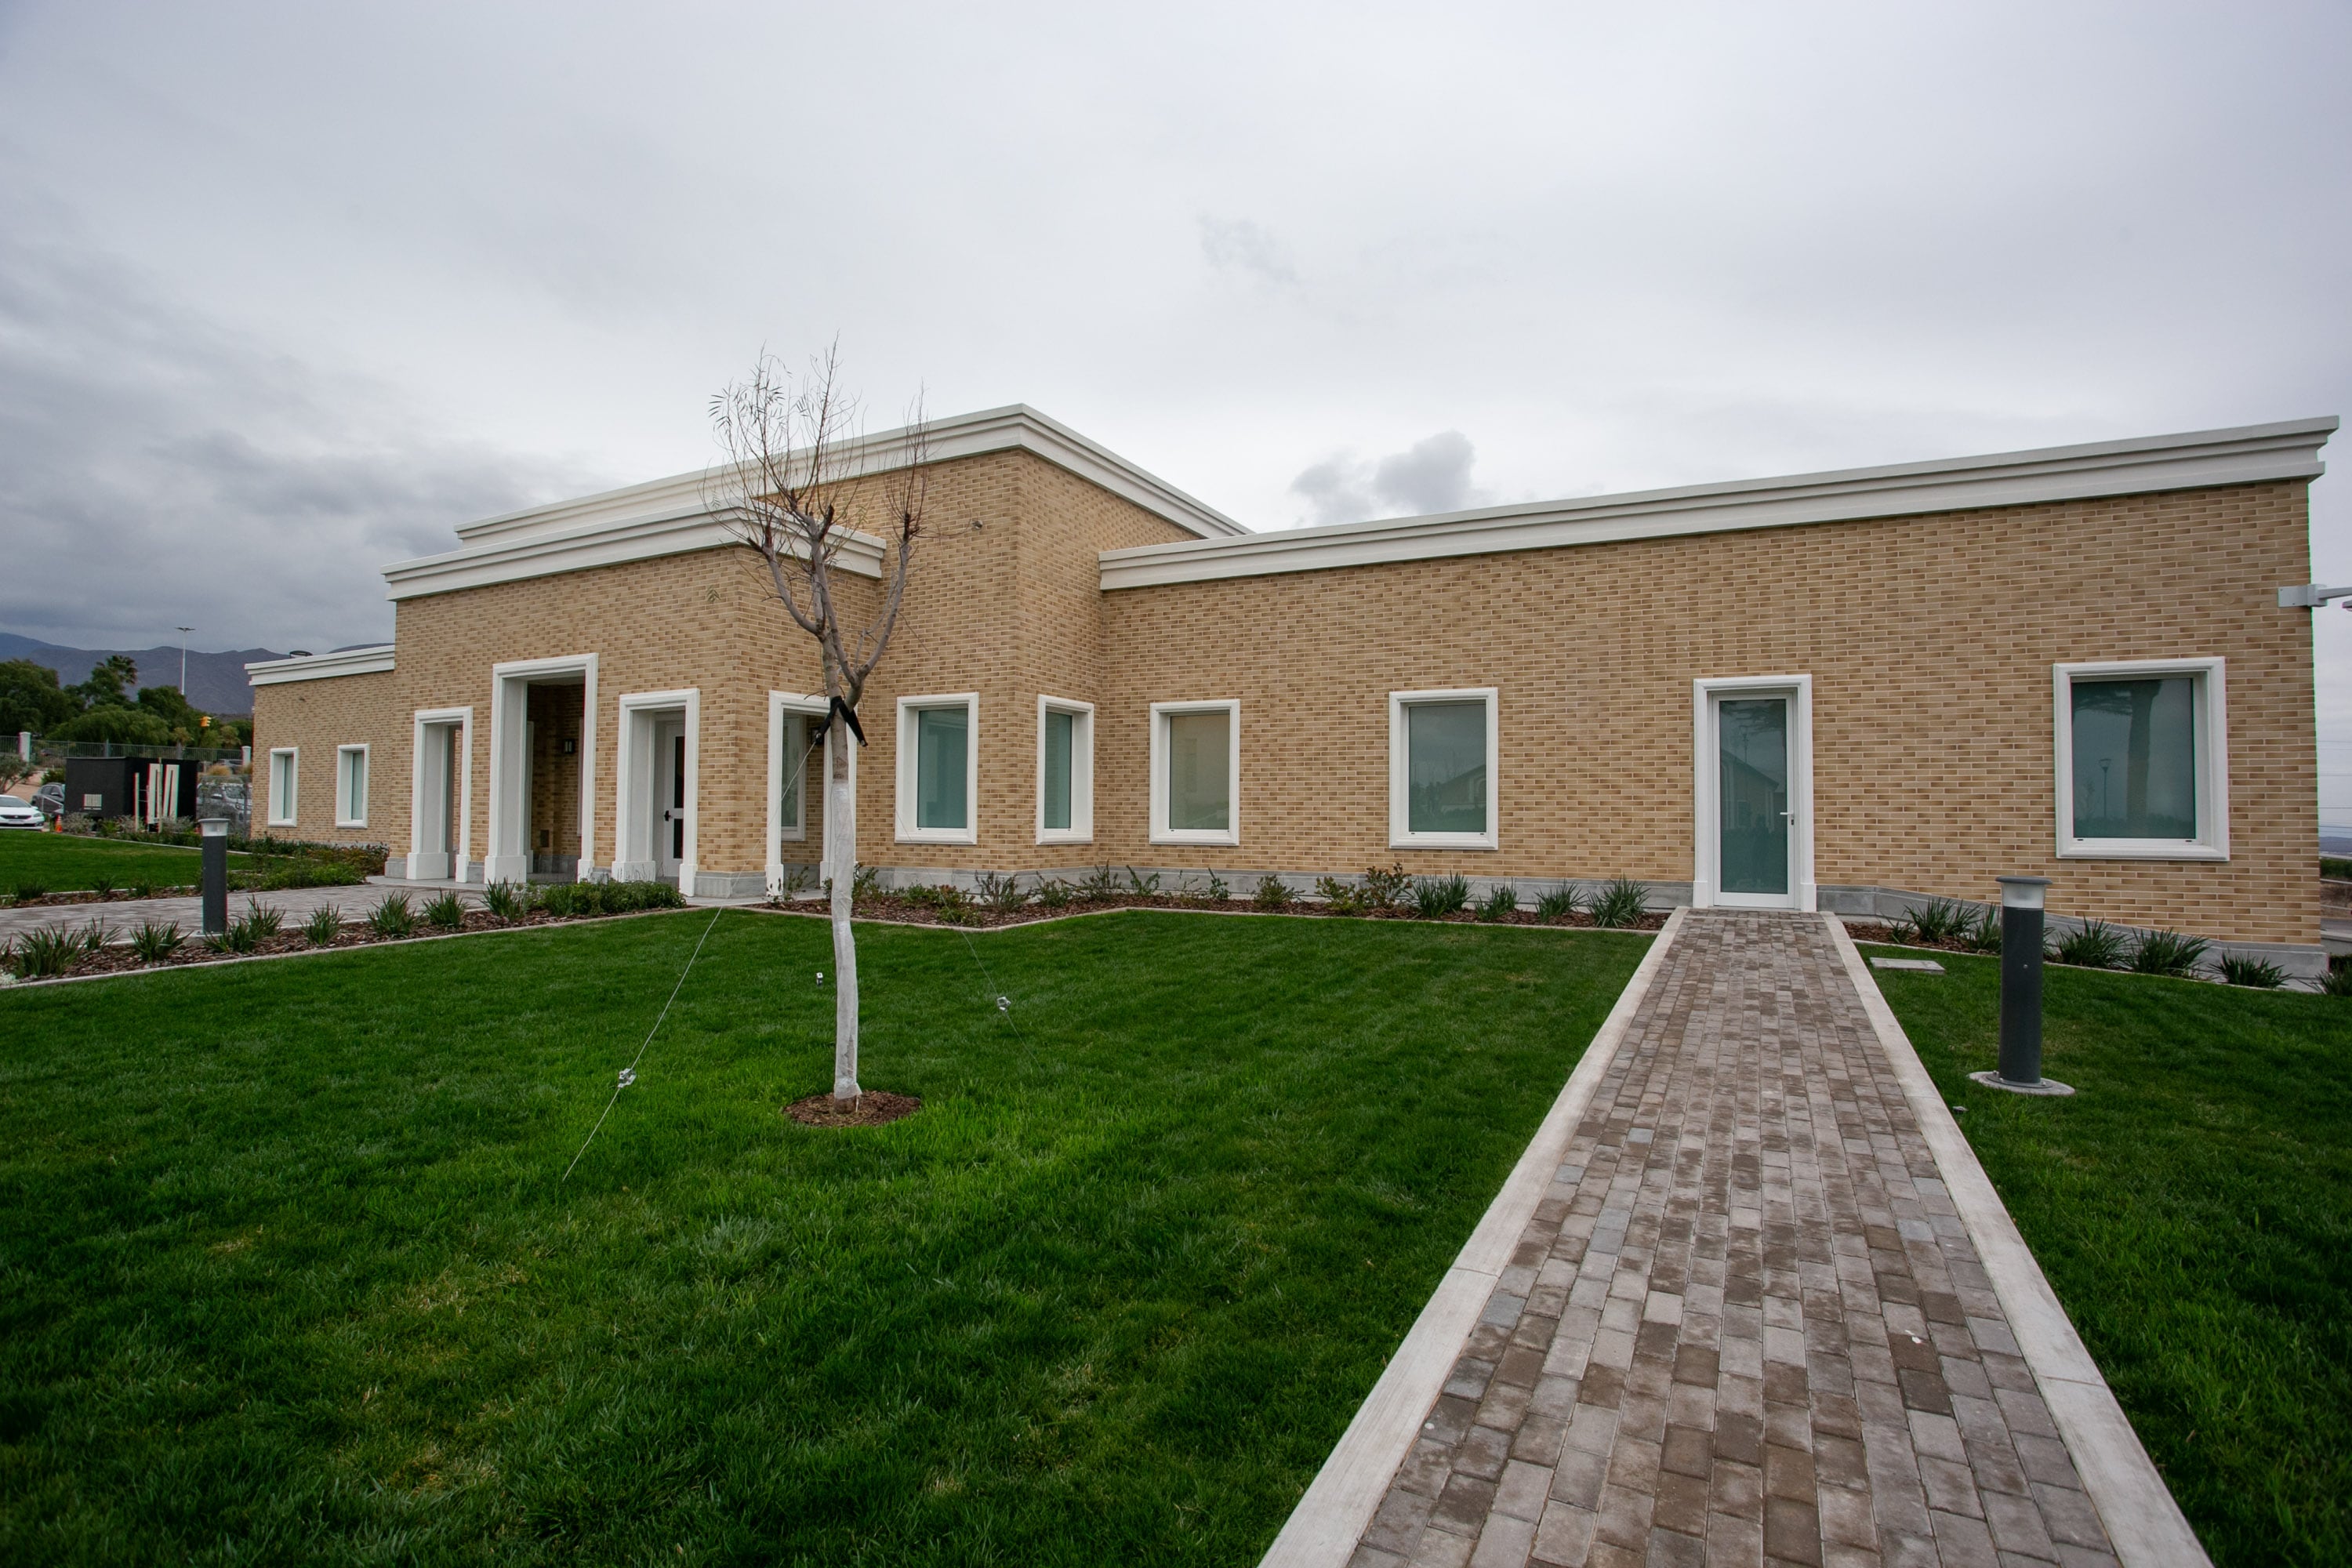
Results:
<point x="1934" y="924"/>
<point x="264" y="922"/>
<point x="799" y="880"/>
<point x="1052" y="894"/>
<point x="1559" y="903"/>
<point x="392" y="917"/>
<point x="955" y="907"/>
<point x="2168" y="953"/>
<point x="1339" y="898"/>
<point x="1619" y="903"/>
<point x="447" y="912"/>
<point x="1982" y="934"/>
<point x="140" y="887"/>
<point x="566" y="899"/>
<point x="325" y="924"/>
<point x="1218" y="889"/>
<point x="1004" y="892"/>
<point x="2338" y="982"/>
<point x="628" y="898"/>
<point x="2097" y="945"/>
<point x="1501" y="902"/>
<point x="509" y="901"/>
<point x="2243" y="969"/>
<point x="154" y="941"/>
<point x="921" y="897"/>
<point x="1142" y="887"/>
<point x="29" y="891"/>
<point x="1435" y="897"/>
<point x="240" y="937"/>
<point x="40" y="954"/>
<point x="864" y="882"/>
<point x="96" y="935"/>
<point x="1382" y="889"/>
<point x="104" y="887"/>
<point x="1273" y="893"/>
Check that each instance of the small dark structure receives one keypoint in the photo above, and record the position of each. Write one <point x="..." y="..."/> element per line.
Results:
<point x="152" y="789"/>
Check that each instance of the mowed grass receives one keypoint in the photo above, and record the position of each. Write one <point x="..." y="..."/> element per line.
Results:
<point x="67" y="862"/>
<point x="286" y="1272"/>
<point x="2192" y="1207"/>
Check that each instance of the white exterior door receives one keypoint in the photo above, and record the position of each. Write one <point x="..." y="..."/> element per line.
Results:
<point x="668" y="826"/>
<point x="1753" y="787"/>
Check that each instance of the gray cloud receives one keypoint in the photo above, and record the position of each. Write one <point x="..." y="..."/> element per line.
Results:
<point x="1242" y="246"/>
<point x="1430" y="475"/>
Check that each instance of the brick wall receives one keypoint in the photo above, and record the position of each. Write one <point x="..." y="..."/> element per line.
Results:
<point x="316" y="717"/>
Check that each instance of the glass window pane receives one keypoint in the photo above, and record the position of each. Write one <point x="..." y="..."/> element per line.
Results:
<point x="1752" y="806"/>
<point x="795" y="743"/>
<point x="1060" y="729"/>
<point x="2136" y="758"/>
<point x="1200" y="760"/>
<point x="1445" y="766"/>
<point x="941" y="737"/>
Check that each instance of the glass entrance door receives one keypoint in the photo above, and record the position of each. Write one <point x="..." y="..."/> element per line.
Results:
<point x="1753" y="811"/>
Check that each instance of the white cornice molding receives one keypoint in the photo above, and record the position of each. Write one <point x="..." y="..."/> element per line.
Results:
<point x="2247" y="455"/>
<point x="606" y="544"/>
<point x="372" y="660"/>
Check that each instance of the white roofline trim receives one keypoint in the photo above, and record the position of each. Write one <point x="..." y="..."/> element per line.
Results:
<point x="596" y="544"/>
<point x="2245" y="455"/>
<point x="372" y="660"/>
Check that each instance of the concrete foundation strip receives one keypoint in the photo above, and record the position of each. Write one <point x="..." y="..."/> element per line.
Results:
<point x="1323" y="1530"/>
<point x="2143" y="1521"/>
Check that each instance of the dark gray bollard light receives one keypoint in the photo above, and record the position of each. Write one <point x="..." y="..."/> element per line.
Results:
<point x="216" y="842"/>
<point x="2021" y="908"/>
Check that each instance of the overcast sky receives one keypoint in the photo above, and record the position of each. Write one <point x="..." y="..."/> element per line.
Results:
<point x="287" y="291"/>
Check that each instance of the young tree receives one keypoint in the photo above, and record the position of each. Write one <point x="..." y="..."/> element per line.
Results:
<point x="795" y="488"/>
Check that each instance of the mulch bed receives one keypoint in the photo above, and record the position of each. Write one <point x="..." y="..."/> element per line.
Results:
<point x="875" y="1108"/>
<point x="984" y="917"/>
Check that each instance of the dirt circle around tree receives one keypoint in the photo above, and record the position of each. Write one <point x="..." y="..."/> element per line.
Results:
<point x="875" y="1108"/>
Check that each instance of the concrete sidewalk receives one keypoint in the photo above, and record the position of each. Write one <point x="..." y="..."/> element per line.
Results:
<point x="1747" y="1323"/>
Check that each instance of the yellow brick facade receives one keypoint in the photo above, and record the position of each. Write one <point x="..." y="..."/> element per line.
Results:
<point x="1929" y="641"/>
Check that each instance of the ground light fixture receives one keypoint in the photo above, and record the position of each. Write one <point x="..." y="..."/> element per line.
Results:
<point x="215" y="874"/>
<point x="2022" y="905"/>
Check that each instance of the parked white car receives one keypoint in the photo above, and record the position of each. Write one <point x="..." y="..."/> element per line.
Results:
<point x="15" y="812"/>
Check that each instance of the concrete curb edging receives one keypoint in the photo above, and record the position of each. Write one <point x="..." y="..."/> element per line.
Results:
<point x="1338" y="1504"/>
<point x="2143" y="1522"/>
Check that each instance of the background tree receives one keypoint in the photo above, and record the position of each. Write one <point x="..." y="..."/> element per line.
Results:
<point x="31" y="699"/>
<point x="796" y="487"/>
<point x="107" y="679"/>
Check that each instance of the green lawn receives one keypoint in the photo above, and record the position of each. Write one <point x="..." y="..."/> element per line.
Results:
<point x="285" y="1271"/>
<point x="2192" y="1206"/>
<point x="69" y="862"/>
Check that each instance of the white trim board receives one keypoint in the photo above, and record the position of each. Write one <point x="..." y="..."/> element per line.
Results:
<point x="910" y="762"/>
<point x="320" y="666"/>
<point x="2143" y="1521"/>
<point x="344" y="818"/>
<point x="1159" y="832"/>
<point x="1338" y="1504"/>
<point x="2245" y="455"/>
<point x="1706" y="783"/>
<point x="1081" y="829"/>
<point x="2211" y="728"/>
<point x="1400" y="833"/>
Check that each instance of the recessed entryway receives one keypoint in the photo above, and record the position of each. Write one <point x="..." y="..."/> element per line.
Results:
<point x="542" y="768"/>
<point x="1753" y="792"/>
<point x="441" y="790"/>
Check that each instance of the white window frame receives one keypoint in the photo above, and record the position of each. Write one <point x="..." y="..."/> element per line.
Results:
<point x="908" y="707"/>
<point x="2211" y="761"/>
<point x="782" y="704"/>
<point x="1161" y="713"/>
<point x="344" y="815"/>
<point x="1400" y="833"/>
<point x="282" y="812"/>
<point x="1081" y="829"/>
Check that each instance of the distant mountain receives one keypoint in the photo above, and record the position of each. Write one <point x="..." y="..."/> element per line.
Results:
<point x="217" y="681"/>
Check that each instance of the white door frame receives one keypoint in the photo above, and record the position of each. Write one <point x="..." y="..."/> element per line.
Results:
<point x="635" y="859"/>
<point x="779" y="704"/>
<point x="428" y="774"/>
<point x="509" y="859"/>
<point x="1705" y="872"/>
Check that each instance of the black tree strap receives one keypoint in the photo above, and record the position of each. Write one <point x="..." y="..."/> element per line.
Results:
<point x="846" y="714"/>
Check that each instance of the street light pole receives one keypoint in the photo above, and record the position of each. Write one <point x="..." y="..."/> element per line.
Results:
<point x="184" y="662"/>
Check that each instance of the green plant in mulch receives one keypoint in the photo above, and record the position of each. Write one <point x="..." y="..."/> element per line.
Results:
<point x="1932" y="923"/>
<point x="44" y="955"/>
<point x="1102" y="882"/>
<point x="1052" y="893"/>
<point x="264" y="922"/>
<point x="1339" y="898"/>
<point x="1619" y="902"/>
<point x="1501" y="902"/>
<point x="392" y="917"/>
<point x="28" y="891"/>
<point x="140" y="887"/>
<point x="446" y="911"/>
<point x="954" y="905"/>
<point x="1435" y="897"/>
<point x="2244" y="969"/>
<point x="1383" y="888"/>
<point x="103" y="886"/>
<point x="1559" y="903"/>
<point x="1142" y="885"/>
<point x="509" y="901"/>
<point x="2095" y="945"/>
<point x="325" y="924"/>
<point x="1004" y="893"/>
<point x="1983" y="933"/>
<point x="96" y="935"/>
<point x="1273" y="893"/>
<point x="240" y="937"/>
<point x="2168" y="953"/>
<point x="2338" y="982"/>
<point x="1219" y="889"/>
<point x="156" y="941"/>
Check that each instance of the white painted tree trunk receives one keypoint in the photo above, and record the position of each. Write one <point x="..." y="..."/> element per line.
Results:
<point x="840" y="870"/>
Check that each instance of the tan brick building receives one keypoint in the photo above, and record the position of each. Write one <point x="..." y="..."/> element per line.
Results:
<point x="1846" y="691"/>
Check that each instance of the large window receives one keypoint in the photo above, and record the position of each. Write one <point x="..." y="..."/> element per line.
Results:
<point x="2142" y="767"/>
<point x="1195" y="773"/>
<point x="1442" y="747"/>
<point x="285" y="768"/>
<point x="938" y="768"/>
<point x="350" y="786"/>
<point x="1066" y="771"/>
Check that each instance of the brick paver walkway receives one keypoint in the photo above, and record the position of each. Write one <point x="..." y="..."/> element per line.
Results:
<point x="123" y="915"/>
<point x="1746" y="1324"/>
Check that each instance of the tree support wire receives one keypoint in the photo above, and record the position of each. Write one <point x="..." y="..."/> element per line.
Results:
<point x="629" y="1074"/>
